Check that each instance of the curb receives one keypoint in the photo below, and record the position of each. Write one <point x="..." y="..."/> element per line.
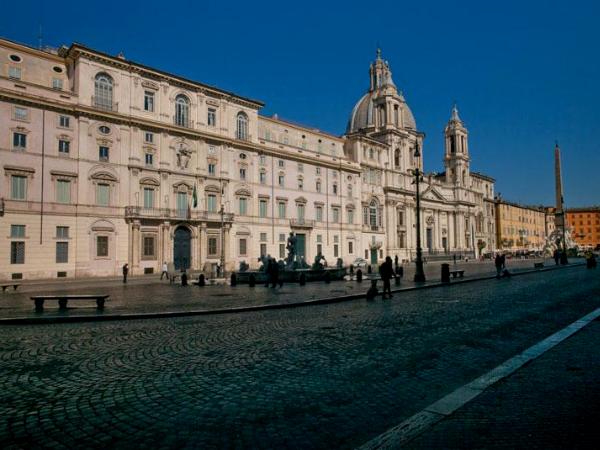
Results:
<point x="242" y="309"/>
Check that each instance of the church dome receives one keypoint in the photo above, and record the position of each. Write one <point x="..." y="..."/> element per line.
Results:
<point x="382" y="86"/>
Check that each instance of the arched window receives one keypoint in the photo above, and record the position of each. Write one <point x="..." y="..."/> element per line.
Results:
<point x="373" y="213"/>
<point x="241" y="131"/>
<point x="182" y="111"/>
<point x="103" y="91"/>
<point x="397" y="158"/>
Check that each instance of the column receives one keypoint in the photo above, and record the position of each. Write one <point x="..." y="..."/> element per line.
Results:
<point x="227" y="245"/>
<point x="201" y="245"/>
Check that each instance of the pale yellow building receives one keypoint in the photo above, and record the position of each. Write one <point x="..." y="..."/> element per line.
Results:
<point x="520" y="227"/>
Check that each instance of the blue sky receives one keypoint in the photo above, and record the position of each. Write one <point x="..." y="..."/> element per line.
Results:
<point x="524" y="74"/>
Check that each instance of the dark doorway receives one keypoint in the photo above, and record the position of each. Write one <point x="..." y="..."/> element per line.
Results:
<point x="429" y="233"/>
<point x="301" y="246"/>
<point x="373" y="256"/>
<point x="182" y="248"/>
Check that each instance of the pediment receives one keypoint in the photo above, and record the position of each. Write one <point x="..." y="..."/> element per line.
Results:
<point x="432" y="193"/>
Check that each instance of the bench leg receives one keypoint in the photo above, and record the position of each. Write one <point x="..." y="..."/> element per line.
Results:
<point x="39" y="304"/>
<point x="100" y="303"/>
<point x="62" y="303"/>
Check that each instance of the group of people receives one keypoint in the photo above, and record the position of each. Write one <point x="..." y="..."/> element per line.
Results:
<point x="272" y="271"/>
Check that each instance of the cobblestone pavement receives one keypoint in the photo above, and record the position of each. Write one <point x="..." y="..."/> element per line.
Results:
<point x="330" y="376"/>
<point x="554" y="403"/>
<point x="149" y="294"/>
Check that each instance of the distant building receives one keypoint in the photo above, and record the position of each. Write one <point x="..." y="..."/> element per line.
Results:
<point x="107" y="161"/>
<point x="585" y="225"/>
<point x="520" y="227"/>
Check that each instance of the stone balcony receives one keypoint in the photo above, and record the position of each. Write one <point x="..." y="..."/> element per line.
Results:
<point x="192" y="215"/>
<point x="302" y="223"/>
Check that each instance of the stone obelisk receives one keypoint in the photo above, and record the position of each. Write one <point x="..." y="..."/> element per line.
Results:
<point x="559" y="215"/>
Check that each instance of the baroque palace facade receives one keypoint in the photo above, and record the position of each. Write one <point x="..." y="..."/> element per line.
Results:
<point x="106" y="161"/>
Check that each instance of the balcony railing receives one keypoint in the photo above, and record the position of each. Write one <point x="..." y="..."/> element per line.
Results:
<point x="181" y="122"/>
<point x="372" y="228"/>
<point x="182" y="214"/>
<point x="302" y="223"/>
<point x="102" y="103"/>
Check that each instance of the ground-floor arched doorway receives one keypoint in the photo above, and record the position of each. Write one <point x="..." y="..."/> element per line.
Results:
<point x="182" y="248"/>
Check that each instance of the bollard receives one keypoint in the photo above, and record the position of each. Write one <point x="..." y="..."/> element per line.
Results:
<point x="327" y="277"/>
<point x="372" y="292"/>
<point x="369" y="269"/>
<point x="445" y="273"/>
<point x="351" y="269"/>
<point x="201" y="280"/>
<point x="252" y="280"/>
<point x="359" y="276"/>
<point x="400" y="271"/>
<point x="233" y="279"/>
<point x="302" y="279"/>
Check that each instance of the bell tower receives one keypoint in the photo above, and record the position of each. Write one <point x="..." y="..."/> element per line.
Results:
<point x="456" y="158"/>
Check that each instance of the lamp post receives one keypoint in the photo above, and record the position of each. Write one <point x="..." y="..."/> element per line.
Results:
<point x="222" y="212"/>
<point x="419" y="274"/>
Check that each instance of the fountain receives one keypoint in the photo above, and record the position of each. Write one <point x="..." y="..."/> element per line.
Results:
<point x="294" y="268"/>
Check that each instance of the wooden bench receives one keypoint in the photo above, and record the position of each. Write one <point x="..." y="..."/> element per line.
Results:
<point x="6" y="286"/>
<point x="538" y="265"/>
<point x="457" y="273"/>
<point x="63" y="299"/>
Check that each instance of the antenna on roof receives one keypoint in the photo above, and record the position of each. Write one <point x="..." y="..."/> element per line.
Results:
<point x="40" y="36"/>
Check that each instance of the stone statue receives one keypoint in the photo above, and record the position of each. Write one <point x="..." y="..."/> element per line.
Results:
<point x="183" y="157"/>
<point x="244" y="266"/>
<point x="291" y="249"/>
<point x="340" y="263"/>
<point x="317" y="265"/>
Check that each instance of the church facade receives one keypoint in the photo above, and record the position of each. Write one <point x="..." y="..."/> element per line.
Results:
<point x="106" y="161"/>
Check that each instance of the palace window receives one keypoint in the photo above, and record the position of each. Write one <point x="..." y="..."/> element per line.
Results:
<point x="281" y="180"/>
<point x="336" y="215"/>
<point x="243" y="206"/>
<point x="262" y="176"/>
<point x="318" y="186"/>
<point x="281" y="163"/>
<point x="17" y="252"/>
<point x="102" y="194"/>
<point x="262" y="208"/>
<point x="149" y="159"/>
<point x="243" y="247"/>
<point x="300" y="209"/>
<point x="63" y="191"/>
<point x="350" y="216"/>
<point x="62" y="252"/>
<point x="57" y="84"/>
<point x="64" y="121"/>
<point x="211" y="203"/>
<point x="149" y="247"/>
<point x="63" y="147"/>
<point x="103" y="153"/>
<point x="101" y="246"/>
<point x="18" y="187"/>
<point x="281" y="210"/>
<point x="242" y="173"/>
<point x="149" y="101"/>
<point x="211" y="118"/>
<point x="350" y="247"/>
<point x="20" y="113"/>
<point x="212" y="246"/>
<point x="182" y="111"/>
<point x="103" y="91"/>
<point x="149" y="137"/>
<point x="241" y="131"/>
<point x="212" y="168"/>
<point x="17" y="231"/>
<point x="319" y="213"/>
<point x="62" y="232"/>
<point x="14" y="72"/>
<point x="148" y="198"/>
<point x="19" y="141"/>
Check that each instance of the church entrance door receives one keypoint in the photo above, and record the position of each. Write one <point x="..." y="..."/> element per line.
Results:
<point x="182" y="248"/>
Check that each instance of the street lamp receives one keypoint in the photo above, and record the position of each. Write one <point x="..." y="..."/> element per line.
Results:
<point x="419" y="274"/>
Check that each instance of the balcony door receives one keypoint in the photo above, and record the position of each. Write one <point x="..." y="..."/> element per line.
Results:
<point x="182" y="204"/>
<point x="301" y="245"/>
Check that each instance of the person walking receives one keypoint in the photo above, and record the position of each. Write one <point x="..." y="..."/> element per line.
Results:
<point x="274" y="273"/>
<point x="498" y="264"/>
<point x="556" y="256"/>
<point x="386" y="271"/>
<point x="125" y="272"/>
<point x="165" y="271"/>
